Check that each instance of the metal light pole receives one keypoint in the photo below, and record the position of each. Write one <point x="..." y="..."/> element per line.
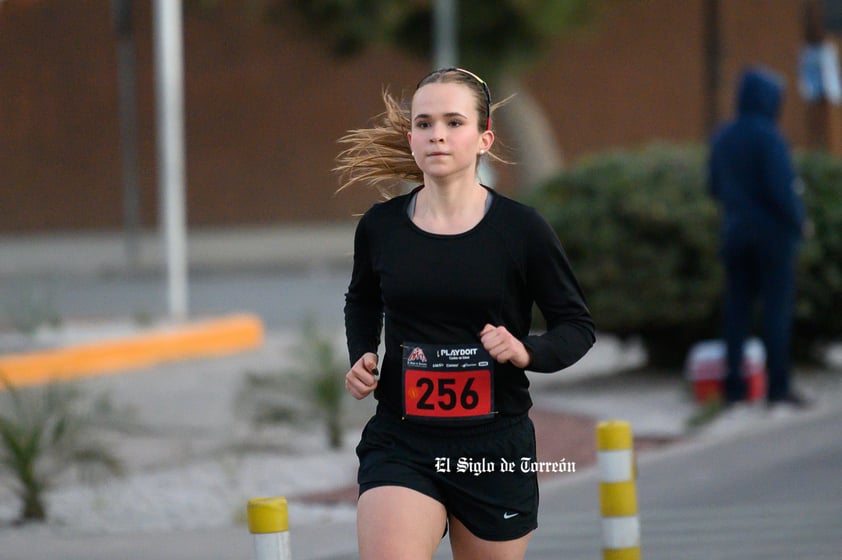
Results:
<point x="122" y="10"/>
<point x="446" y="53"/>
<point x="445" y="33"/>
<point x="169" y="62"/>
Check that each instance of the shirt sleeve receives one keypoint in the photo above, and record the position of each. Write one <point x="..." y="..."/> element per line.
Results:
<point x="570" y="327"/>
<point x="363" y="302"/>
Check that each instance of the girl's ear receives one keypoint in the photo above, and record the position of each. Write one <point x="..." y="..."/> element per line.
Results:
<point x="486" y="139"/>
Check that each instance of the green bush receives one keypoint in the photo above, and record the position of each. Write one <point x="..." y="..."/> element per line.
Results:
<point x="642" y="235"/>
<point x="819" y="306"/>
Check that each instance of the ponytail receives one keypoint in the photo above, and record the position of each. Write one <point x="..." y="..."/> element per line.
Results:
<point x="379" y="156"/>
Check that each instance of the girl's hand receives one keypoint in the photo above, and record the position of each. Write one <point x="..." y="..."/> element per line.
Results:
<point x="361" y="379"/>
<point x="504" y="347"/>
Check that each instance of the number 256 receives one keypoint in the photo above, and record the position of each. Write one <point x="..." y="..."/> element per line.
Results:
<point x="446" y="394"/>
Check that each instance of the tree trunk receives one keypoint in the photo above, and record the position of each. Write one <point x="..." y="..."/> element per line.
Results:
<point x="529" y="134"/>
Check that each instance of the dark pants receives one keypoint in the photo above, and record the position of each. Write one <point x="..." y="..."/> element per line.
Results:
<point x="766" y="274"/>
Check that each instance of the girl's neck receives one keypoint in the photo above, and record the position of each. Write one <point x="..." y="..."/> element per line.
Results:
<point x="449" y="209"/>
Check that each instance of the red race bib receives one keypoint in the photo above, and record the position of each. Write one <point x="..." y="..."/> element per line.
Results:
<point x="447" y="382"/>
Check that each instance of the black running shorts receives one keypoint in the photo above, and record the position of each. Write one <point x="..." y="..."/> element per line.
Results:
<point x="479" y="473"/>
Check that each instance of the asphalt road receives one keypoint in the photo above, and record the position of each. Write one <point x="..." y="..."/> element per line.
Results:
<point x="282" y="298"/>
<point x="772" y="493"/>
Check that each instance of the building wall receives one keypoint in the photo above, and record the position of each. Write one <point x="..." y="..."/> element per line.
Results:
<point x="265" y="104"/>
<point x="640" y="75"/>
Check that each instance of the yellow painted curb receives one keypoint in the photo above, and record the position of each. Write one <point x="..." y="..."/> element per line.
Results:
<point x="214" y="337"/>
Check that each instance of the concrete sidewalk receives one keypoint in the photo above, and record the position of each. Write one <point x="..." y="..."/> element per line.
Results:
<point x="180" y="499"/>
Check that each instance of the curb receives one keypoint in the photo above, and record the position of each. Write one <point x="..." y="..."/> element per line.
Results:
<point x="214" y="337"/>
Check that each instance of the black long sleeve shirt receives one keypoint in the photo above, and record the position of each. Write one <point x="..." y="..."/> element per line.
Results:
<point x="443" y="289"/>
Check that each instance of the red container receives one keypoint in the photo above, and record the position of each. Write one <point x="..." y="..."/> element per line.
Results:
<point x="706" y="367"/>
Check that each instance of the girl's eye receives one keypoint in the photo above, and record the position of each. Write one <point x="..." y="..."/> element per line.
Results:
<point x="455" y="123"/>
<point x="422" y="124"/>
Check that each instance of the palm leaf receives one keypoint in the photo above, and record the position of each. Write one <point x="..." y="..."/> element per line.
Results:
<point x="47" y="430"/>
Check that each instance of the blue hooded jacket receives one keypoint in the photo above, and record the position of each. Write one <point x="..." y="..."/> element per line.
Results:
<point x="751" y="173"/>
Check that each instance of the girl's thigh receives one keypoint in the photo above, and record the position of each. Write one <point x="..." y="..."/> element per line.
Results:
<point x="467" y="546"/>
<point x="397" y="523"/>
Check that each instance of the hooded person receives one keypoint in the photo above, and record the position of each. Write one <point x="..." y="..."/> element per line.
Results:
<point x="752" y="178"/>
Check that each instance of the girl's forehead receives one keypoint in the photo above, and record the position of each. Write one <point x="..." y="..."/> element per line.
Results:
<point x="446" y="97"/>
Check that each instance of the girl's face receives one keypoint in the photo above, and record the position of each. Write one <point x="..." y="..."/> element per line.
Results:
<point x="445" y="135"/>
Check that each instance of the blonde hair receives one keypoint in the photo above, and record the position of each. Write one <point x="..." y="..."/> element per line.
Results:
<point x="380" y="156"/>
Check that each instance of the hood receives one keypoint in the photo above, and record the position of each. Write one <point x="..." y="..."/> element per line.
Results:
<point x="760" y="93"/>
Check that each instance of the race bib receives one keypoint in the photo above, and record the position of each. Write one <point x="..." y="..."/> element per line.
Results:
<point x="447" y="382"/>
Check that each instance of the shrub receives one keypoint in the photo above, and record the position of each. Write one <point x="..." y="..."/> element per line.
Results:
<point x="818" y="316"/>
<point x="642" y="235"/>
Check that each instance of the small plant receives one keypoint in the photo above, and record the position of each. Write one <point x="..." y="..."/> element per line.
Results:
<point x="32" y="310"/>
<point x="705" y="413"/>
<point x="313" y="387"/>
<point x="143" y="318"/>
<point x="45" y="431"/>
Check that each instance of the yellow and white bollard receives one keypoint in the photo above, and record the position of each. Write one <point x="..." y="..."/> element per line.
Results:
<point x="269" y="526"/>
<point x="617" y="492"/>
